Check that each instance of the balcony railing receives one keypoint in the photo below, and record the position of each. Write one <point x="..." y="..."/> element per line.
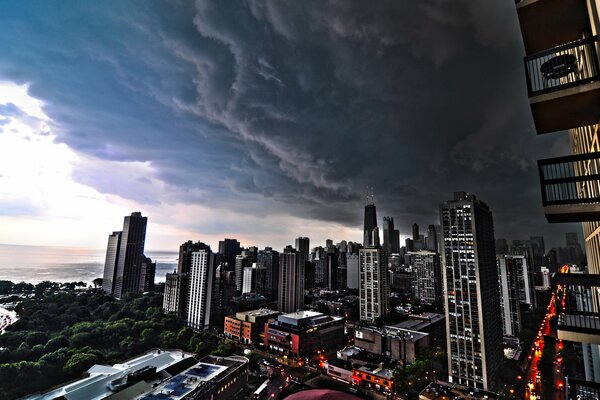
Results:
<point x="562" y="67"/>
<point x="579" y="323"/>
<point x="578" y="317"/>
<point x="570" y="180"/>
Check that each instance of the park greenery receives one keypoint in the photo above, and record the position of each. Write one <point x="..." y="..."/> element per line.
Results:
<point x="59" y="335"/>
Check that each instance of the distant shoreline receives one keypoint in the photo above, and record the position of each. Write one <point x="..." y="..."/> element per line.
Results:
<point x="7" y="318"/>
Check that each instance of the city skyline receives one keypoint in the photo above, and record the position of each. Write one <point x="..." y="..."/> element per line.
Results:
<point x="262" y="130"/>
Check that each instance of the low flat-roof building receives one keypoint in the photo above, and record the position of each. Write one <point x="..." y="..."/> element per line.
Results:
<point x="338" y="369"/>
<point x="301" y="334"/>
<point x="374" y="376"/>
<point x="428" y="322"/>
<point x="444" y="391"/>
<point x="395" y="343"/>
<point x="248" y="326"/>
<point x="164" y="375"/>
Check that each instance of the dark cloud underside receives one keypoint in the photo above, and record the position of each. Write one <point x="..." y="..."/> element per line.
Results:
<point x="293" y="107"/>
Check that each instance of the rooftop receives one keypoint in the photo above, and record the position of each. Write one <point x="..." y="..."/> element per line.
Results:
<point x="302" y="314"/>
<point x="251" y="314"/>
<point x="377" y="371"/>
<point x="96" y="385"/>
<point x="443" y="391"/>
<point x="157" y="375"/>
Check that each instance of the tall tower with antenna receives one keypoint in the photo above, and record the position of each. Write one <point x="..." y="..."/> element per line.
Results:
<point x="371" y="231"/>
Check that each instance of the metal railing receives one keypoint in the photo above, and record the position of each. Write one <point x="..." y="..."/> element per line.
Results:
<point x="572" y="179"/>
<point x="562" y="67"/>
<point x="577" y="389"/>
<point x="579" y="323"/>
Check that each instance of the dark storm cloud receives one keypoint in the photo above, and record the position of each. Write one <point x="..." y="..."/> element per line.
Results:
<point x="296" y="105"/>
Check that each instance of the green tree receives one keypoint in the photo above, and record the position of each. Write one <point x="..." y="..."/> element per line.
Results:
<point x="79" y="362"/>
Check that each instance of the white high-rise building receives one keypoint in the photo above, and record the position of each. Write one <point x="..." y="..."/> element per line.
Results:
<point x="374" y="290"/>
<point x="508" y="277"/>
<point x="200" y="289"/>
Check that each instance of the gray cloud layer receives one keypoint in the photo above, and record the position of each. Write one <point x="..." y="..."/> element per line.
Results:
<point x="294" y="107"/>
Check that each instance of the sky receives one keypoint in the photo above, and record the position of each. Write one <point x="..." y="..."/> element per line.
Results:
<point x="262" y="120"/>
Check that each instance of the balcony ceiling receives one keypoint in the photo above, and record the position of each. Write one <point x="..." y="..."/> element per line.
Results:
<point x="550" y="23"/>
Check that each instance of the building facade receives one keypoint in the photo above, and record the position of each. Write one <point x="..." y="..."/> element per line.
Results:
<point x="508" y="277"/>
<point x="176" y="294"/>
<point x="110" y="264"/>
<point x="248" y="326"/>
<point x="374" y="290"/>
<point x="426" y="276"/>
<point x="471" y="295"/>
<point x="291" y="281"/>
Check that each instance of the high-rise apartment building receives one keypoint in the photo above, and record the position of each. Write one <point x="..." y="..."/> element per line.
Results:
<point x="472" y="299"/>
<point x="510" y="285"/>
<point x="426" y="276"/>
<point x="563" y="75"/>
<point x="291" y="281"/>
<point x="200" y="298"/>
<point x="179" y="280"/>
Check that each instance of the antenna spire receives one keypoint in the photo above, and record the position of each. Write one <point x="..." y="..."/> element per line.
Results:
<point x="369" y="197"/>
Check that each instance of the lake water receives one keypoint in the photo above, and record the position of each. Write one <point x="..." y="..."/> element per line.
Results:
<point x="66" y="264"/>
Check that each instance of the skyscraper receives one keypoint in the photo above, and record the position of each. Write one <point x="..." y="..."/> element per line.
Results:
<point x="147" y="274"/>
<point x="415" y="232"/>
<point x="303" y="248"/>
<point x="110" y="264"/>
<point x="291" y="281"/>
<point x="388" y="235"/>
<point x="229" y="249"/>
<point x="431" y="242"/>
<point x="202" y="275"/>
<point x="374" y="300"/>
<point x="243" y="260"/>
<point x="269" y="258"/>
<point x="126" y="270"/>
<point x="370" y="225"/>
<point x="472" y="299"/>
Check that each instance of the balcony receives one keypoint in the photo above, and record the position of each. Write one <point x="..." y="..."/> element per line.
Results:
<point x="571" y="188"/>
<point x="549" y="23"/>
<point x="576" y="389"/>
<point x="578" y="318"/>
<point x="564" y="86"/>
